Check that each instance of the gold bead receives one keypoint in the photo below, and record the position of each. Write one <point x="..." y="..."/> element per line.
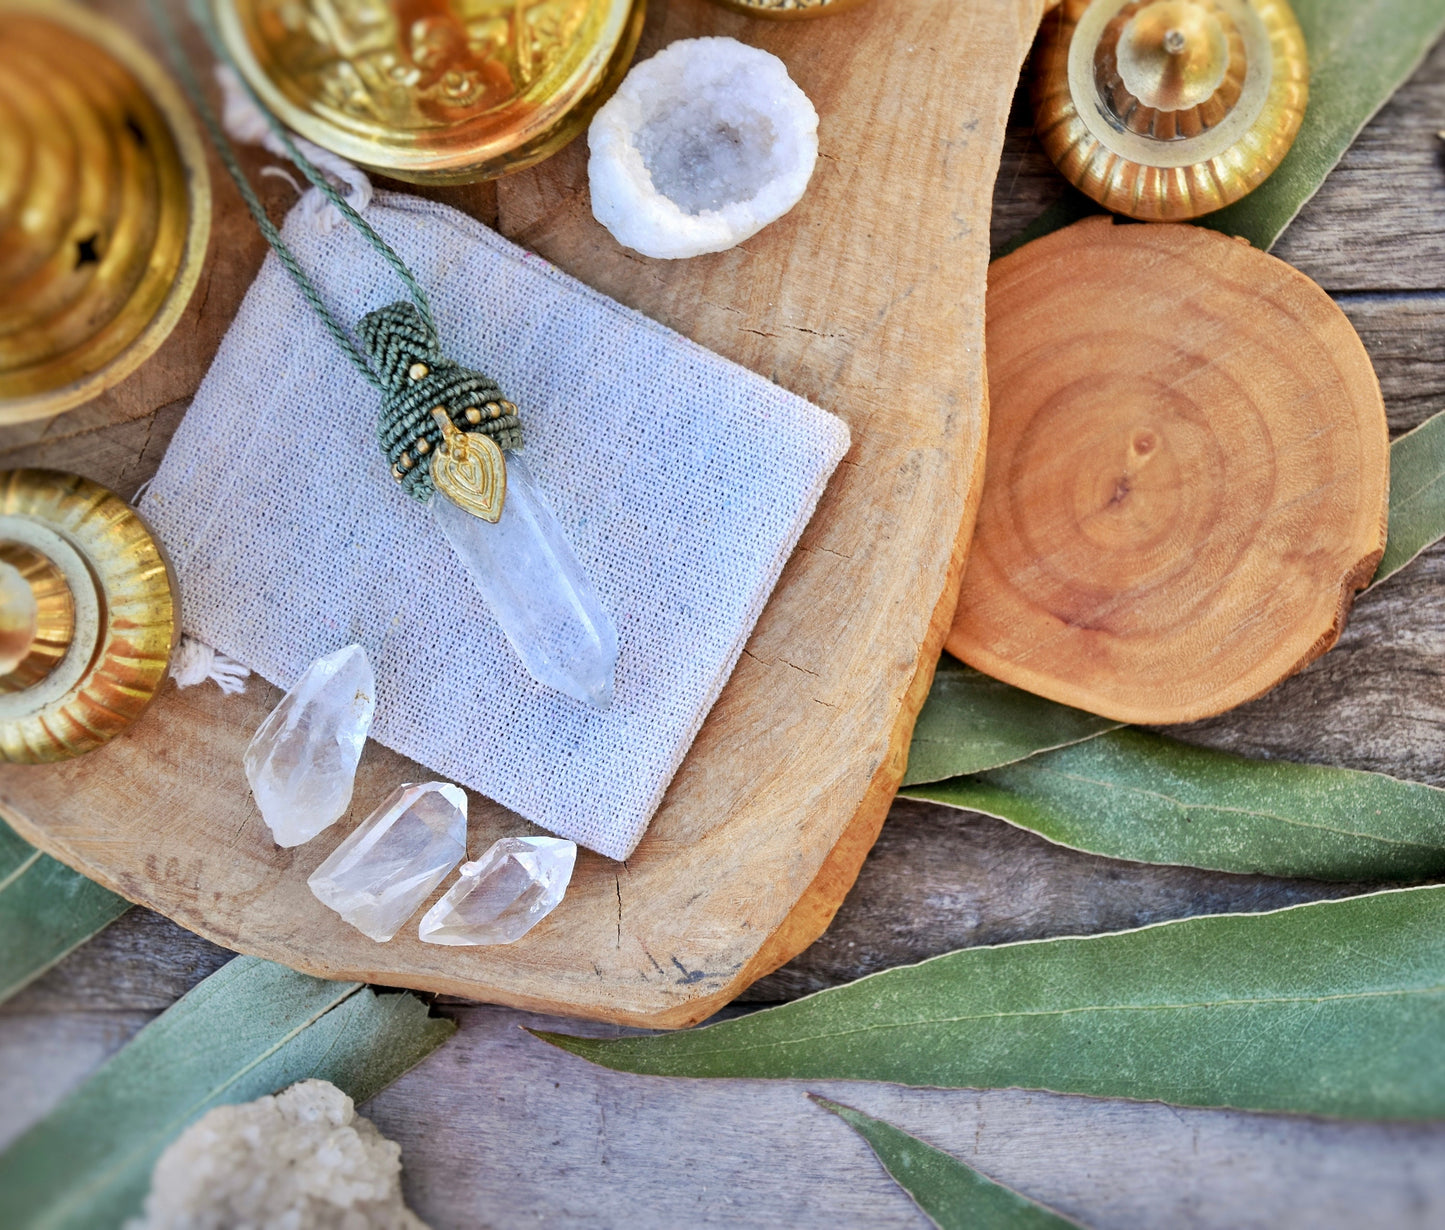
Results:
<point x="423" y="446"/>
<point x="508" y="408"/>
<point x="396" y="473"/>
<point x="419" y="371"/>
<point x="406" y="461"/>
<point x="494" y="411"/>
<point x="473" y="415"/>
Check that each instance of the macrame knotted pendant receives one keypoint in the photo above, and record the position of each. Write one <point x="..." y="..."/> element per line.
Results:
<point x="453" y="442"/>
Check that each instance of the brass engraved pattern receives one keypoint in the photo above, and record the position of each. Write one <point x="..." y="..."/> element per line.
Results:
<point x="434" y="89"/>
<point x="787" y="10"/>
<point x="105" y="206"/>
<point x="470" y="470"/>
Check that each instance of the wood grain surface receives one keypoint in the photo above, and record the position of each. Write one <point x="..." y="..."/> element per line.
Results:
<point x="501" y="1132"/>
<point x="1188" y="470"/>
<point x="868" y="300"/>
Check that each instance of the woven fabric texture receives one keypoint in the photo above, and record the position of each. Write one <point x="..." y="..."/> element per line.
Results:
<point x="682" y="480"/>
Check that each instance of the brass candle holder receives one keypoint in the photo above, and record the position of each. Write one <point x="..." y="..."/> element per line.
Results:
<point x="433" y="91"/>
<point x="1165" y="110"/>
<point x="105" y="206"/>
<point x="88" y="616"/>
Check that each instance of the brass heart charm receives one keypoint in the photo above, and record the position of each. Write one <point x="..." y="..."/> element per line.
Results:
<point x="470" y="470"/>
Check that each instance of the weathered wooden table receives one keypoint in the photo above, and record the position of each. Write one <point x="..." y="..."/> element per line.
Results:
<point x="499" y="1130"/>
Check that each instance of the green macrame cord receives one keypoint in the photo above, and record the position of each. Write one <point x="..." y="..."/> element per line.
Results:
<point x="416" y="377"/>
<point x="399" y="339"/>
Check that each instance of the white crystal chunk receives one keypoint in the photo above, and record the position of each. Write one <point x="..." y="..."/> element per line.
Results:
<point x="504" y="894"/>
<point x="379" y="875"/>
<point x="700" y="148"/>
<point x="302" y="761"/>
<point x="537" y="591"/>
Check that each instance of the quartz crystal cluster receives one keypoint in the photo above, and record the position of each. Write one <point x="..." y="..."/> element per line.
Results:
<point x="302" y="765"/>
<point x="504" y="894"/>
<point x="536" y="589"/>
<point x="302" y="1159"/>
<point x="302" y="761"/>
<point x="700" y="148"/>
<point x="378" y="877"/>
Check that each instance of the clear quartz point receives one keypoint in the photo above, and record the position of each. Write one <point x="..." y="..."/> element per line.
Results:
<point x="302" y="761"/>
<point x="504" y="894"/>
<point x="378" y="876"/>
<point x="536" y="589"/>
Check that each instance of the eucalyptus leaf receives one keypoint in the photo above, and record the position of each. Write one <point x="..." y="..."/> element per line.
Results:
<point x="251" y="1028"/>
<point x="1361" y="52"/>
<point x="1417" y="495"/>
<point x="971" y="722"/>
<point x="46" y="911"/>
<point x="1136" y="796"/>
<point x="953" y="1194"/>
<point x="1336" y="1008"/>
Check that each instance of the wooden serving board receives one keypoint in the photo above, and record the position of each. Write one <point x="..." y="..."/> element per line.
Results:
<point x="868" y="299"/>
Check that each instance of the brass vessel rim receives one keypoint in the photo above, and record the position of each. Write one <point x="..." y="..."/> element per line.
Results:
<point x="115" y="41"/>
<point x="567" y="110"/>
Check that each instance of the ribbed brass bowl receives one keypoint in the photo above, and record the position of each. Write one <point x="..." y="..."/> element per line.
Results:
<point x="434" y="91"/>
<point x="1165" y="110"/>
<point x="105" y="206"/>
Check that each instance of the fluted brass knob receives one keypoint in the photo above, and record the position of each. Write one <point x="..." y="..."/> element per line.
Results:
<point x="88" y="616"/>
<point x="1165" y="110"/>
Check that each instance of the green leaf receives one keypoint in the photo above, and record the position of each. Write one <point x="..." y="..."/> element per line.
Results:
<point x="46" y="911"/>
<point x="1417" y="495"/>
<point x="251" y="1028"/>
<point x="953" y="1194"/>
<point x="971" y="723"/>
<point x="1136" y="796"/>
<point x="1361" y="52"/>
<point x="1334" y="1009"/>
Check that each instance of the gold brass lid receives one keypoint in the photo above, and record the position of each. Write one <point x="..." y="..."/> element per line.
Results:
<point x="91" y="646"/>
<point x="787" y="10"/>
<point x="105" y="207"/>
<point x="1165" y="110"/>
<point x="434" y="91"/>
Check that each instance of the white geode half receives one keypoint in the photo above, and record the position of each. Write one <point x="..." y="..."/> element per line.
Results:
<point x="700" y="148"/>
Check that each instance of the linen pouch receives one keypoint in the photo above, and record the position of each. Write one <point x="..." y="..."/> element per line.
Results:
<point x="682" y="480"/>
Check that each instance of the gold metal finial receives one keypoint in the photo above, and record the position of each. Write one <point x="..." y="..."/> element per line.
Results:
<point x="470" y="469"/>
<point x="92" y="645"/>
<point x="105" y="206"/>
<point x="434" y="91"/>
<point x="1165" y="110"/>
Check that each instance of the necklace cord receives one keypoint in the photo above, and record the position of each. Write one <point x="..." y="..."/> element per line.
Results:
<point x="203" y="16"/>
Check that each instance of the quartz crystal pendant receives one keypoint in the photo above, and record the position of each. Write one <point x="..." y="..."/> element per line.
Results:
<point x="536" y="589"/>
<point x="378" y="876"/>
<point x="302" y="761"/>
<point x="504" y="894"/>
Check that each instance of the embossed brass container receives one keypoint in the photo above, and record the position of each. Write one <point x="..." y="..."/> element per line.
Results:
<point x="434" y="91"/>
<point x="790" y="10"/>
<point x="105" y="206"/>
<point x="89" y="645"/>
<point x="1166" y="110"/>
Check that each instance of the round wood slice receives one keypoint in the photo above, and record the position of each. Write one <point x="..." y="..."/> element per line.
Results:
<point x="1188" y="473"/>
<point x="868" y="299"/>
